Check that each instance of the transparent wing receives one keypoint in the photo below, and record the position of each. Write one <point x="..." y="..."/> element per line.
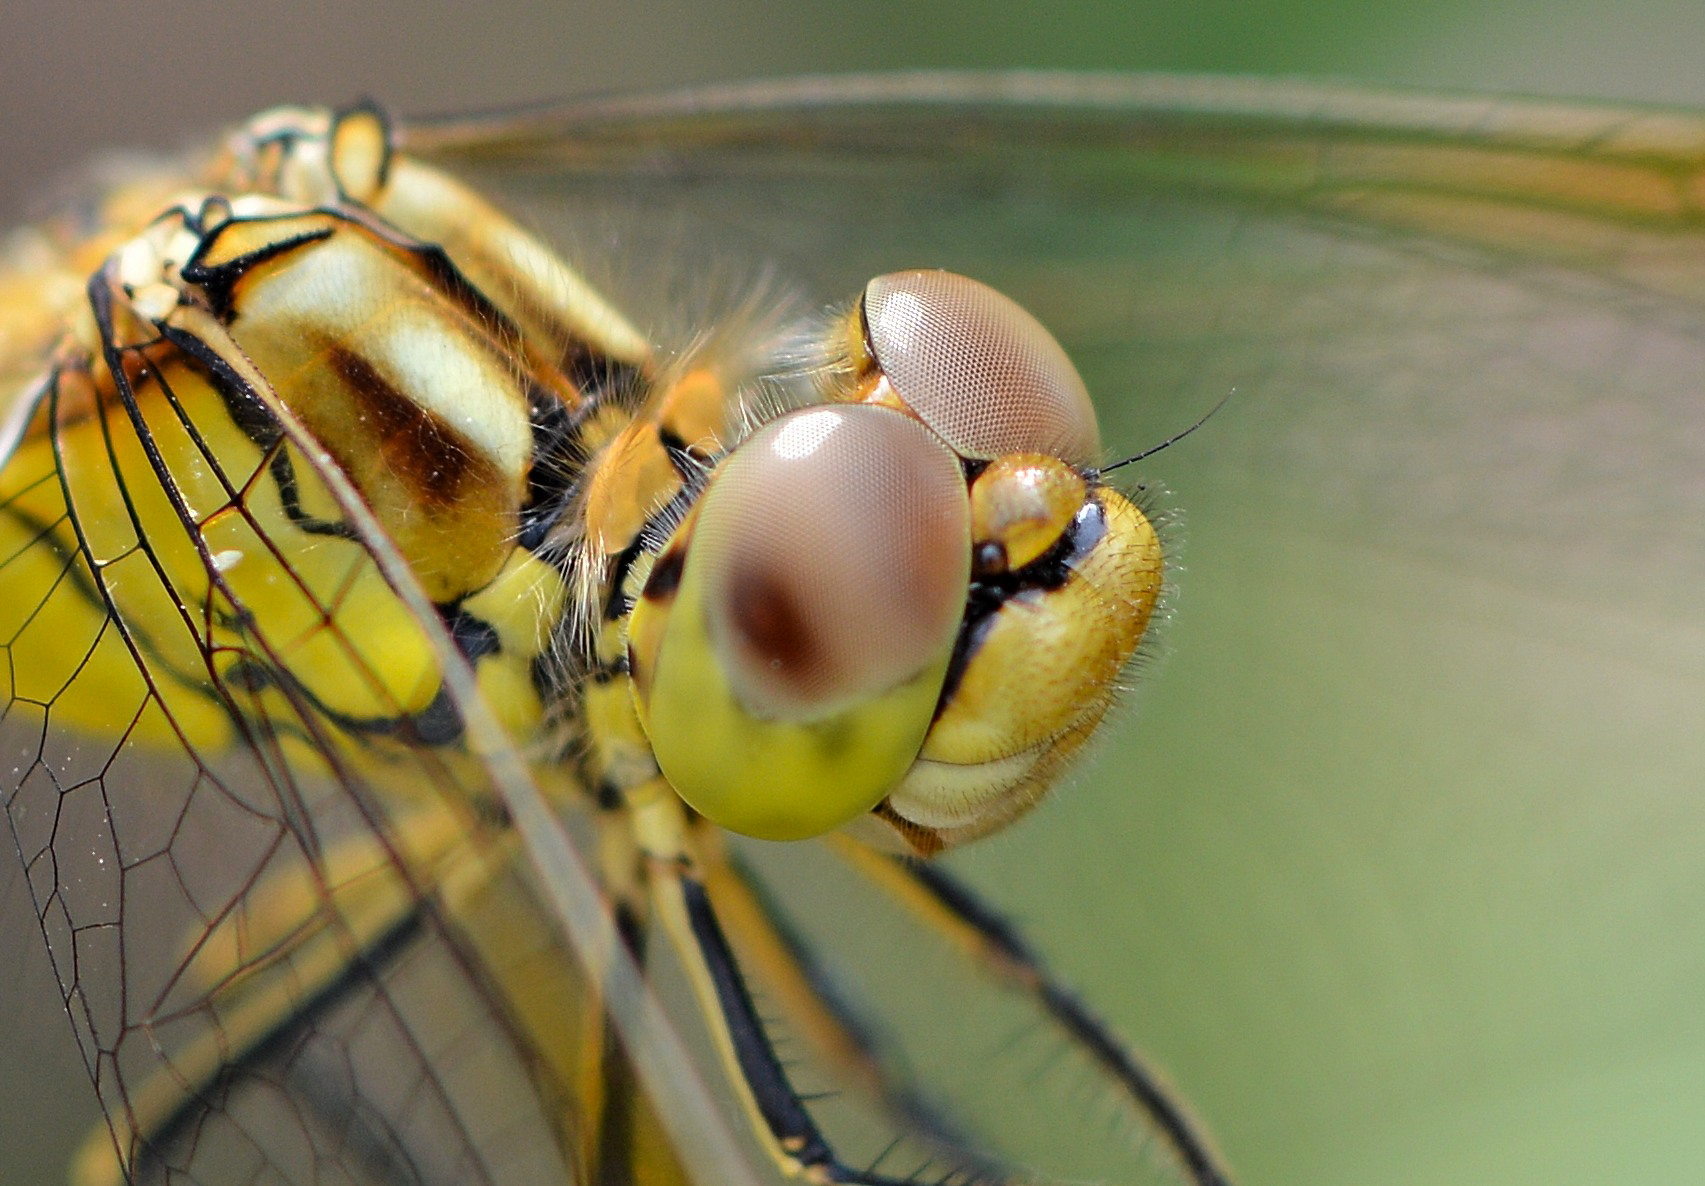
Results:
<point x="294" y="947"/>
<point x="1405" y="842"/>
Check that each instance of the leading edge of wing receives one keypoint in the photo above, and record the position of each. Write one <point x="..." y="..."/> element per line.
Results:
<point x="1577" y="184"/>
<point x="823" y="107"/>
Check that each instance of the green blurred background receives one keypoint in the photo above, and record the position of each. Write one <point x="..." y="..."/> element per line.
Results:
<point x="1354" y="983"/>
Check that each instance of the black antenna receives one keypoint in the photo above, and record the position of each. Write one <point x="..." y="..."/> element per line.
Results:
<point x="1171" y="440"/>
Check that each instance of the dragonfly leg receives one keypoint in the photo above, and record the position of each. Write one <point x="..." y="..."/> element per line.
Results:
<point x="683" y="906"/>
<point x="791" y="977"/>
<point x="956" y="911"/>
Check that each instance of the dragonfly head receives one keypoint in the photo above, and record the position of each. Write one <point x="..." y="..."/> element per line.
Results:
<point x="908" y="605"/>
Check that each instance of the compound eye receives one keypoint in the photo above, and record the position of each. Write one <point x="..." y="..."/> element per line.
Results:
<point x="788" y="678"/>
<point x="833" y="550"/>
<point x="977" y="368"/>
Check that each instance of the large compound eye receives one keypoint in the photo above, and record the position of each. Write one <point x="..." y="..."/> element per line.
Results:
<point x="824" y="579"/>
<point x="834" y="549"/>
<point x="977" y="368"/>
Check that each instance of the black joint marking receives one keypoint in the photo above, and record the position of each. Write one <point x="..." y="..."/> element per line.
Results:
<point x="550" y="679"/>
<point x="475" y="637"/>
<point x="664" y="577"/>
<point x="607" y="795"/>
<point x="630" y="927"/>
<point x="687" y="464"/>
<point x="559" y="460"/>
<point x="246" y="409"/>
<point x="250" y="413"/>
<point x="439" y="723"/>
<point x="218" y="282"/>
<point x="290" y="500"/>
<point x="608" y="673"/>
<point x="598" y="376"/>
<point x="618" y="604"/>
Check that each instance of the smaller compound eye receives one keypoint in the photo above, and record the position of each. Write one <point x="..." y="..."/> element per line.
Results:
<point x="977" y="368"/>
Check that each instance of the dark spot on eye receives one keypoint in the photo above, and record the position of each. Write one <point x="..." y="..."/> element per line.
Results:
<point x="665" y="576"/>
<point x="772" y="628"/>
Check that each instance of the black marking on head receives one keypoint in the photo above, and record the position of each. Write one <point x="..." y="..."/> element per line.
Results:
<point x="988" y="594"/>
<point x="665" y="578"/>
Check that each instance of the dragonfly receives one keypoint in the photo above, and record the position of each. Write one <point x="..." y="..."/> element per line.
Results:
<point x="238" y="948"/>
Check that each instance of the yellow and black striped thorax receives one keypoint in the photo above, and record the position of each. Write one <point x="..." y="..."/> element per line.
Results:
<point x="323" y="308"/>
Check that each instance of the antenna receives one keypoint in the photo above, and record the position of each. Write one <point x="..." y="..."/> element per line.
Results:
<point x="1171" y="440"/>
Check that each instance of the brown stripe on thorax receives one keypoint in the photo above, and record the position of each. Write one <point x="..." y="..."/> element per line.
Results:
<point x="437" y="462"/>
